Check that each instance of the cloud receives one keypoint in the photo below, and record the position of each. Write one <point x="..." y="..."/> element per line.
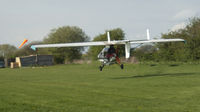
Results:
<point x="178" y="27"/>
<point x="185" y="14"/>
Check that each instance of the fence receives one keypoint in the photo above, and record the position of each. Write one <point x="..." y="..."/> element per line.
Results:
<point x="34" y="60"/>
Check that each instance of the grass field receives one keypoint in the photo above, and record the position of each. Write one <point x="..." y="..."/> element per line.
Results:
<point x="83" y="88"/>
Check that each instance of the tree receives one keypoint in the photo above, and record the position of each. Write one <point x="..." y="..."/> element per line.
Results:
<point x="179" y="51"/>
<point x="145" y="53"/>
<point x="7" y="51"/>
<point x="66" y="34"/>
<point x="115" y="34"/>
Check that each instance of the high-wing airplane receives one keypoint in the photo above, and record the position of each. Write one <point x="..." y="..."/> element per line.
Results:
<point x="109" y="55"/>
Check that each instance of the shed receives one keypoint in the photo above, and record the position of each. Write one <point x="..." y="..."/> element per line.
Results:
<point x="33" y="60"/>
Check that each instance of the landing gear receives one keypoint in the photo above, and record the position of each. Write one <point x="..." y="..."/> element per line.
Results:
<point x="101" y="67"/>
<point x="122" y="66"/>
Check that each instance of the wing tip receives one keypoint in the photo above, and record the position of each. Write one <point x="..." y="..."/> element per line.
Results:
<point x="33" y="48"/>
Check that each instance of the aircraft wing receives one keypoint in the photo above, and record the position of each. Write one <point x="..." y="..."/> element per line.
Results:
<point x="80" y="44"/>
<point x="127" y="43"/>
<point x="102" y="43"/>
<point x="155" y="41"/>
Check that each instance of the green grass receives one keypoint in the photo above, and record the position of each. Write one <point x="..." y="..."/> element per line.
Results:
<point x="83" y="88"/>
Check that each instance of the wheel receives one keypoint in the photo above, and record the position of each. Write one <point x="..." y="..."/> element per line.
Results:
<point x="100" y="68"/>
<point x="122" y="66"/>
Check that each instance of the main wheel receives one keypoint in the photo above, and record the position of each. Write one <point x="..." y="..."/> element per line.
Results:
<point x="122" y="66"/>
<point x="100" y="68"/>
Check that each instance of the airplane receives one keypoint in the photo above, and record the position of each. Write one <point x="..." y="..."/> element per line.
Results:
<point x="108" y="55"/>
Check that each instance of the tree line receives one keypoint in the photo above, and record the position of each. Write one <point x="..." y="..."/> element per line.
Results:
<point x="174" y="51"/>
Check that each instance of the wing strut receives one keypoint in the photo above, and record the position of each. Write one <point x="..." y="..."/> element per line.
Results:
<point x="127" y="50"/>
<point x="108" y="36"/>
<point x="148" y="34"/>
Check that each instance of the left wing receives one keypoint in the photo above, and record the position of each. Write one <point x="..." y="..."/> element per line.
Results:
<point x="80" y="44"/>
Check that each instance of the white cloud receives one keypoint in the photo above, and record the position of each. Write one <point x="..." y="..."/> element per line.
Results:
<point x="178" y="26"/>
<point x="185" y="14"/>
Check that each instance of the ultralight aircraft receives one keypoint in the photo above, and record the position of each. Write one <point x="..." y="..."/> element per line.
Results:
<point x="108" y="55"/>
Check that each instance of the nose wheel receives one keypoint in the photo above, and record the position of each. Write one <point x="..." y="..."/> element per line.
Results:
<point x="122" y="66"/>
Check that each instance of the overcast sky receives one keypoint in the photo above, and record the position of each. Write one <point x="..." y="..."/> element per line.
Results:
<point x="33" y="19"/>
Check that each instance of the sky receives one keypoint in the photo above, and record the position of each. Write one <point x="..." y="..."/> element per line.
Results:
<point x="34" y="19"/>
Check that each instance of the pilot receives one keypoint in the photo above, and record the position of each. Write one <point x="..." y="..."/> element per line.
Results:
<point x="111" y="52"/>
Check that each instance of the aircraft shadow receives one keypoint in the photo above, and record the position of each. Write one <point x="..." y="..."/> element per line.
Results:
<point x="156" y="75"/>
